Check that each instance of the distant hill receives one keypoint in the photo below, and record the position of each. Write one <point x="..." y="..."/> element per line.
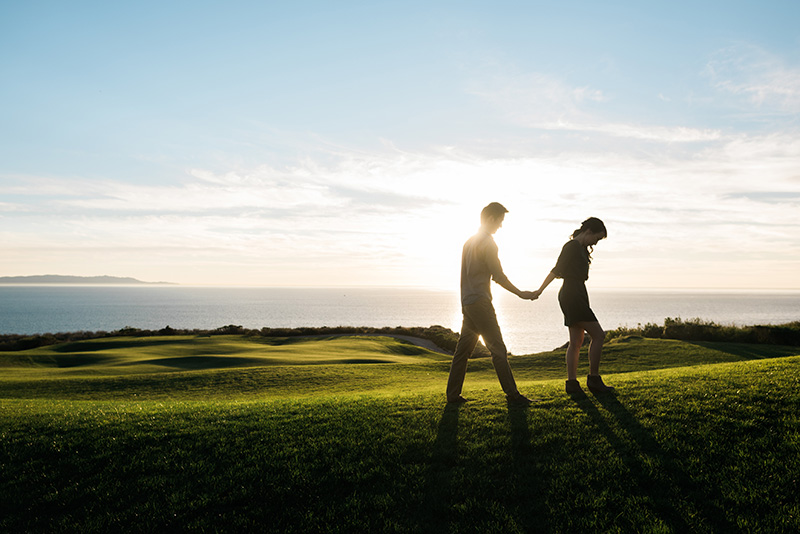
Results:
<point x="81" y="280"/>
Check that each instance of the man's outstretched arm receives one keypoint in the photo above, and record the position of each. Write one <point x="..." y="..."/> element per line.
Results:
<point x="502" y="280"/>
<point x="506" y="284"/>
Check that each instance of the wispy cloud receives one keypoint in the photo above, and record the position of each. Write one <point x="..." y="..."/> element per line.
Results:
<point x="534" y="98"/>
<point x="763" y="79"/>
<point x="304" y="188"/>
<point x="11" y="206"/>
<point x="679" y="134"/>
<point x="770" y="197"/>
<point x="545" y="102"/>
<point x="407" y="213"/>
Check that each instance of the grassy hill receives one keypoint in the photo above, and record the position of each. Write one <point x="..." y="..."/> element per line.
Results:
<point x="351" y="434"/>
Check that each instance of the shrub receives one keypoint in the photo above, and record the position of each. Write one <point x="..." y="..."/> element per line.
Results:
<point x="439" y="335"/>
<point x="699" y="330"/>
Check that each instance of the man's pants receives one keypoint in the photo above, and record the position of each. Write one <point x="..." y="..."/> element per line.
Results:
<point x="480" y="320"/>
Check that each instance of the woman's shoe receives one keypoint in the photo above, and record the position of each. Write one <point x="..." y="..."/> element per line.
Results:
<point x="595" y="385"/>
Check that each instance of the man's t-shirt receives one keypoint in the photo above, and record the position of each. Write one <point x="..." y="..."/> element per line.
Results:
<point x="479" y="265"/>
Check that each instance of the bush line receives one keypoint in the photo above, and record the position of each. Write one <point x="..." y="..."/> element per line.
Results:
<point x="439" y="335"/>
<point x="701" y="330"/>
<point x="677" y="328"/>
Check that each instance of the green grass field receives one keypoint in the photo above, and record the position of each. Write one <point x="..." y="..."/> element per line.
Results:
<point x="351" y="434"/>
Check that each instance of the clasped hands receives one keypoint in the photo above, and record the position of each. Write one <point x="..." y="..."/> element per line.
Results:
<point x="530" y="295"/>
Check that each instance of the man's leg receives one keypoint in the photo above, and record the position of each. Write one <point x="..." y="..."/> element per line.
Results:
<point x="458" y="369"/>
<point x="483" y="316"/>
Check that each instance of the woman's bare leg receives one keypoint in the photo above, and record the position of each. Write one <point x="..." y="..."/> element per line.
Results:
<point x="574" y="350"/>
<point x="597" y="334"/>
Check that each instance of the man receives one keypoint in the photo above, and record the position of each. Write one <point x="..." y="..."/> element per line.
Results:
<point x="480" y="265"/>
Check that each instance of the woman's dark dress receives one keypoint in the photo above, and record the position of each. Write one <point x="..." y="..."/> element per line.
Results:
<point x="573" y="267"/>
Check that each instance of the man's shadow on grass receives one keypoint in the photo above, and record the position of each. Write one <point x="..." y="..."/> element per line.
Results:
<point x="439" y="486"/>
<point x="445" y="448"/>
<point x="447" y="471"/>
<point x="531" y="475"/>
<point x="520" y="432"/>
<point x="669" y="485"/>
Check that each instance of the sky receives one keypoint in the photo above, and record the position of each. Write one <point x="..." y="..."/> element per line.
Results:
<point x="354" y="143"/>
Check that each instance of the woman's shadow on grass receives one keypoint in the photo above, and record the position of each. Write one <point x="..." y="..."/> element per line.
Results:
<point x="672" y="491"/>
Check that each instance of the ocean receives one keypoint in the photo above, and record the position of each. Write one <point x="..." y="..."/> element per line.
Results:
<point x="528" y="327"/>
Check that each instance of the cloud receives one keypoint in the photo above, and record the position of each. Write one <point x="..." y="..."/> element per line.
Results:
<point x="769" y="197"/>
<point x="662" y="134"/>
<point x="765" y="80"/>
<point x="534" y="98"/>
<point x="356" y="182"/>
<point x="400" y="217"/>
<point x="12" y="207"/>
<point x="546" y="102"/>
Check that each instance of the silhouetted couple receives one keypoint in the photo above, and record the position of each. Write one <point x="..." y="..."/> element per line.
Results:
<point x="480" y="265"/>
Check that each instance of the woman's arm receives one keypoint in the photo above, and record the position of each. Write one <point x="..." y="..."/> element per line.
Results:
<point x="549" y="278"/>
<point x="567" y="260"/>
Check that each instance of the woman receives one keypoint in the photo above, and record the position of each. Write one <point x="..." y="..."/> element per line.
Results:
<point x="573" y="267"/>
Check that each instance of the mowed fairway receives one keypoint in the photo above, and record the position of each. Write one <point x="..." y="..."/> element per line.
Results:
<point x="351" y="434"/>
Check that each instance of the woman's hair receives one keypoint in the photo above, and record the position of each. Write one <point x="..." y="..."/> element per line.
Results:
<point x="592" y="224"/>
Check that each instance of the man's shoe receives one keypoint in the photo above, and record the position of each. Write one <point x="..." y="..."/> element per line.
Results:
<point x="519" y="399"/>
<point x="458" y="400"/>
<point x="574" y="387"/>
<point x="596" y="385"/>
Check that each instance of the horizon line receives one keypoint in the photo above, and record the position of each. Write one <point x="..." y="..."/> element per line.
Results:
<point x="140" y="284"/>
